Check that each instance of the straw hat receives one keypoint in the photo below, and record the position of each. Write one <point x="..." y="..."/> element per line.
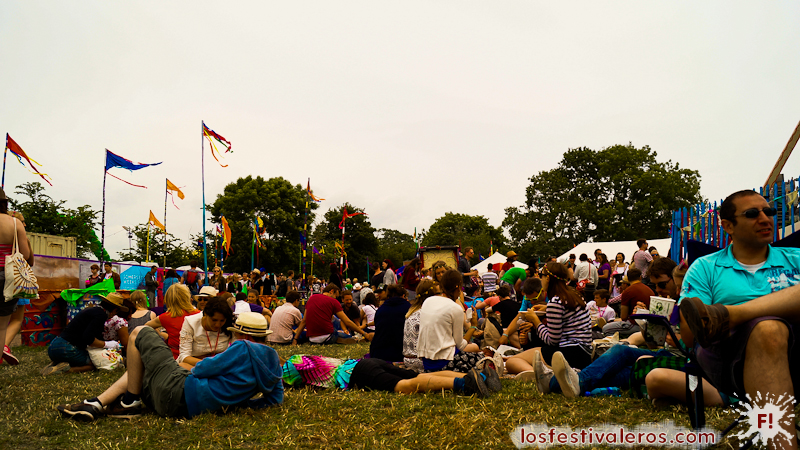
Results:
<point x="511" y="254"/>
<point x="208" y="291"/>
<point x="116" y="299"/>
<point x="251" y="323"/>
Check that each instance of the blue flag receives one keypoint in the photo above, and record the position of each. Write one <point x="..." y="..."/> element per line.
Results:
<point x="114" y="160"/>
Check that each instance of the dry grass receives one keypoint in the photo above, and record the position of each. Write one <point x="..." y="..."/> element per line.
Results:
<point x="307" y="419"/>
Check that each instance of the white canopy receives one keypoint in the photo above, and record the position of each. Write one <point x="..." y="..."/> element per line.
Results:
<point x="483" y="266"/>
<point x="611" y="249"/>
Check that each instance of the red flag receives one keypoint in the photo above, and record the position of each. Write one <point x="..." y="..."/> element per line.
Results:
<point x="346" y="215"/>
<point x="20" y="153"/>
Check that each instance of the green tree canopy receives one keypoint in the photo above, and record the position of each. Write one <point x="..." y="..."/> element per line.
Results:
<point x="469" y="231"/>
<point x="618" y="193"/>
<point x="396" y="246"/>
<point x="177" y="252"/>
<point x="48" y="216"/>
<point x="280" y="205"/>
<point x="360" y="242"/>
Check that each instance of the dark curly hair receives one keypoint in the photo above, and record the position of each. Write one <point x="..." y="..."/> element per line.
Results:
<point x="220" y="305"/>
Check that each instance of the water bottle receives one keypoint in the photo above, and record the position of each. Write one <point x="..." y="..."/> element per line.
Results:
<point x="612" y="391"/>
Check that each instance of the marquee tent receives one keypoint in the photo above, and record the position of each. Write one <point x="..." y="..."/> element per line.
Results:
<point x="611" y="249"/>
<point x="483" y="266"/>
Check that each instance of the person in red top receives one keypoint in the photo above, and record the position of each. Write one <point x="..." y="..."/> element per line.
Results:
<point x="178" y="301"/>
<point x="637" y="295"/>
<point x="318" y="324"/>
<point x="410" y="279"/>
<point x="510" y="258"/>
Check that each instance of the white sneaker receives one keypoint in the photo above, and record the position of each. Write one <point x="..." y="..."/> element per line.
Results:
<point x="567" y="378"/>
<point x="543" y="373"/>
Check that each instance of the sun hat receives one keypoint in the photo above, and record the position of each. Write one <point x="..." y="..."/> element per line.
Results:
<point x="256" y="271"/>
<point x="357" y="287"/>
<point x="251" y="323"/>
<point x="510" y="254"/>
<point x="116" y="300"/>
<point x="208" y="291"/>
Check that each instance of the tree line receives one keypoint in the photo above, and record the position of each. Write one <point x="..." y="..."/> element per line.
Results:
<point x="617" y="193"/>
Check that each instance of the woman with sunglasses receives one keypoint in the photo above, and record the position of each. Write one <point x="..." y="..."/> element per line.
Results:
<point x="218" y="280"/>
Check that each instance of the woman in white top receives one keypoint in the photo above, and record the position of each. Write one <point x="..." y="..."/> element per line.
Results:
<point x="619" y="269"/>
<point x="426" y="288"/>
<point x="441" y="326"/>
<point x="368" y="308"/>
<point x="389" y="276"/>
<point x="207" y="334"/>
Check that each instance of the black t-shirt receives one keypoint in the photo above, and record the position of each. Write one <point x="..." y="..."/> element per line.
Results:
<point x="377" y="279"/>
<point x="353" y="313"/>
<point x="282" y="288"/>
<point x="508" y="309"/>
<point x="256" y="287"/>
<point x="85" y="327"/>
<point x="269" y="286"/>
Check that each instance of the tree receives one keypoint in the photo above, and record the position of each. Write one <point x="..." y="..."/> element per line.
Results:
<point x="48" y="216"/>
<point x="464" y="230"/>
<point x="395" y="246"/>
<point x="360" y="242"/>
<point x="177" y="253"/>
<point x="618" y="193"/>
<point x="280" y="205"/>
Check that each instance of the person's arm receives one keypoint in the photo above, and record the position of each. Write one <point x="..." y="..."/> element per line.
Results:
<point x="550" y="333"/>
<point x="518" y="285"/>
<point x="346" y="320"/>
<point x="156" y="324"/>
<point x="123" y="335"/>
<point x="623" y="311"/>
<point x="24" y="243"/>
<point x="186" y="344"/>
<point x="299" y="330"/>
<point x="459" y="337"/>
<point x="605" y="274"/>
<point x="512" y="328"/>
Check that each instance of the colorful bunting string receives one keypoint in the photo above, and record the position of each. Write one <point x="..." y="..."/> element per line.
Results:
<point x="212" y="136"/>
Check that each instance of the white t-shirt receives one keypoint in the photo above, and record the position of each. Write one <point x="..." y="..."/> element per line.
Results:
<point x="196" y="341"/>
<point x="441" y="328"/>
<point x="369" y="311"/>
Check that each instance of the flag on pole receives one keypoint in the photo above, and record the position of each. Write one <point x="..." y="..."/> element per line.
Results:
<point x="14" y="148"/>
<point x="171" y="187"/>
<point x="347" y="215"/>
<point x="114" y="160"/>
<point x="310" y="194"/>
<point x="156" y="223"/>
<point x="212" y="136"/>
<point x="226" y="235"/>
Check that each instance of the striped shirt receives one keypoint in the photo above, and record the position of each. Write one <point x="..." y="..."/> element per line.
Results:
<point x="566" y="327"/>
<point x="489" y="282"/>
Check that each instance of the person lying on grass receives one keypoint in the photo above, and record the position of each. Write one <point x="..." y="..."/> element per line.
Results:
<point x="68" y="351"/>
<point x="154" y="378"/>
<point x="379" y="375"/>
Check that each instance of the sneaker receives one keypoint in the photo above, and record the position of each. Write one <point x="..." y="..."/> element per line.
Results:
<point x="526" y="376"/>
<point x="709" y="323"/>
<point x="121" y="410"/>
<point x="542" y="373"/>
<point x="53" y="368"/>
<point x="567" y="378"/>
<point x="492" y="378"/>
<point x="9" y="357"/>
<point x="84" y="411"/>
<point x="475" y="384"/>
<point x="499" y="364"/>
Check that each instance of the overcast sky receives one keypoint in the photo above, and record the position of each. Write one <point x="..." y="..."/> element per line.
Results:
<point x="395" y="107"/>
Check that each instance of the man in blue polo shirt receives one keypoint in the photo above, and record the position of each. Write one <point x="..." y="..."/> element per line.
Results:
<point x="760" y="355"/>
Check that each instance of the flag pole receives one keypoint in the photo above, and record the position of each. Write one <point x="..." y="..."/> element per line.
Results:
<point x="203" y="180"/>
<point x="5" y="153"/>
<point x="103" y="217"/>
<point x="253" y="249"/>
<point x="165" y="222"/>
<point x="305" y="228"/>
<point x="147" y="256"/>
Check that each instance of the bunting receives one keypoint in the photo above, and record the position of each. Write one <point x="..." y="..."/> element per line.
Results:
<point x="212" y="136"/>
<point x="17" y="151"/>
<point x="156" y="223"/>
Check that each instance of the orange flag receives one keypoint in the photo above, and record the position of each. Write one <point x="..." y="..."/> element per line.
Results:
<point x="155" y="222"/>
<point x="226" y="236"/>
<point x="172" y="187"/>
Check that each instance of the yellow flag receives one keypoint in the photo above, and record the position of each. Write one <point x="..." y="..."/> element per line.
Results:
<point x="226" y="235"/>
<point x="155" y="222"/>
<point x="172" y="187"/>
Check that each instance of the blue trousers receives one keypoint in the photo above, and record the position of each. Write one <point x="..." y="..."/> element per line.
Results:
<point x="611" y="369"/>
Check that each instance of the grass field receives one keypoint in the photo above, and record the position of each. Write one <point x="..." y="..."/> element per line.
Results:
<point x="308" y="418"/>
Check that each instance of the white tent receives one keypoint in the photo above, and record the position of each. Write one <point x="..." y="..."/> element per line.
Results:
<point x="483" y="266"/>
<point x="611" y="249"/>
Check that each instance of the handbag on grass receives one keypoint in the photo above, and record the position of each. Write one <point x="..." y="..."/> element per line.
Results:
<point x="20" y="280"/>
<point x="105" y="358"/>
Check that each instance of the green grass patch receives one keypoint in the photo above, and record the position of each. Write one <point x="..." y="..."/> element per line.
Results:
<point x="309" y="418"/>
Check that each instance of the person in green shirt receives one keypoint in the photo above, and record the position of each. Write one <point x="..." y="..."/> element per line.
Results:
<point x="514" y="277"/>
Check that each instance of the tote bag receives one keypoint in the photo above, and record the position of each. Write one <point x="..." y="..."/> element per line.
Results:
<point x="20" y="280"/>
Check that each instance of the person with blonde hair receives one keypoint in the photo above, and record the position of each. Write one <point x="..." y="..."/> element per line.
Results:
<point x="179" y="305"/>
<point x="141" y="315"/>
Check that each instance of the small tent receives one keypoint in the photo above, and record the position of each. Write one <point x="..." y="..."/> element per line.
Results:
<point x="483" y="266"/>
<point x="627" y="248"/>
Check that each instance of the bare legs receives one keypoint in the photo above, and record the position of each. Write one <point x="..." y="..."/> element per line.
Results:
<point x="14" y="324"/>
<point x="4" y="326"/>
<point x="131" y="380"/>
<point x="668" y="383"/>
<point x="521" y="362"/>
<point x="425" y="382"/>
<point x="768" y="347"/>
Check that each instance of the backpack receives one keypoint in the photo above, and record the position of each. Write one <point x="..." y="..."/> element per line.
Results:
<point x="191" y="279"/>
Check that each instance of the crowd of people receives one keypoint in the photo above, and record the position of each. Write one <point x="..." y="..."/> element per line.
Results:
<point x="432" y="327"/>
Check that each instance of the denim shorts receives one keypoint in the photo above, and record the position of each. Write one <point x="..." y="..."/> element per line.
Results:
<point x="61" y="350"/>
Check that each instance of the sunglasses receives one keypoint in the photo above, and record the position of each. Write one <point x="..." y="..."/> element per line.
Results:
<point x="663" y="284"/>
<point x="754" y="212"/>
